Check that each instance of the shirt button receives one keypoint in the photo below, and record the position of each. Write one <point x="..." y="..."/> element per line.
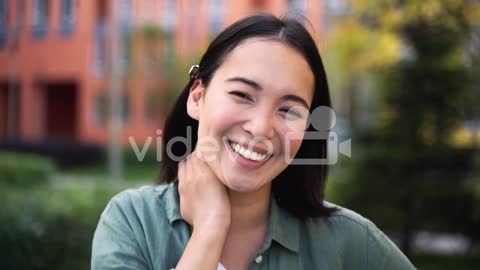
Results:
<point x="259" y="259"/>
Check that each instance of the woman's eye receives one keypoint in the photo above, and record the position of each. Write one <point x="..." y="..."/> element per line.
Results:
<point x="291" y="113"/>
<point x="241" y="95"/>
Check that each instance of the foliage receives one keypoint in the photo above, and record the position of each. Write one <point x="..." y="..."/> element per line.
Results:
<point x="156" y="55"/>
<point x="405" y="174"/>
<point x="24" y="169"/>
<point x="48" y="227"/>
<point x="145" y="170"/>
<point x="353" y="54"/>
<point x="428" y="262"/>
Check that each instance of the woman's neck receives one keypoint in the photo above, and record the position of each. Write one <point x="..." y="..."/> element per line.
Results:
<point x="249" y="210"/>
<point x="248" y="228"/>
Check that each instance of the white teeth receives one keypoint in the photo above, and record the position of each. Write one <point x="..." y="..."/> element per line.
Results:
<point x="247" y="153"/>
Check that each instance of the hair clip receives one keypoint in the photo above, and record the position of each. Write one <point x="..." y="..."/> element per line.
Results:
<point x="193" y="72"/>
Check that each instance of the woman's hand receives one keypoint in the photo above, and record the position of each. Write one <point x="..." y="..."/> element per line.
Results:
<point x="204" y="204"/>
<point x="204" y="201"/>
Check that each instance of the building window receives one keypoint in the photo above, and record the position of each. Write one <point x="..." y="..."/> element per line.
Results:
<point x="125" y="109"/>
<point x="153" y="106"/>
<point x="125" y="59"/>
<point x="67" y="17"/>
<point x="100" y="110"/>
<point x="101" y="9"/>
<point x="297" y="6"/>
<point x="20" y="13"/>
<point x="99" y="50"/>
<point x="40" y="18"/>
<point x="337" y="7"/>
<point x="125" y="21"/>
<point x="216" y="9"/>
<point x="334" y="9"/>
<point x="3" y="23"/>
<point x="99" y="45"/>
<point x="169" y="15"/>
<point x="16" y="26"/>
<point x="20" y="10"/>
<point x="124" y="14"/>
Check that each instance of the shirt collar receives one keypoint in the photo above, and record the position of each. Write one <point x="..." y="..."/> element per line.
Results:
<point x="284" y="228"/>
<point x="172" y="202"/>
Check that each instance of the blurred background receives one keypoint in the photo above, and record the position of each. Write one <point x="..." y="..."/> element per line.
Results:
<point x="85" y="87"/>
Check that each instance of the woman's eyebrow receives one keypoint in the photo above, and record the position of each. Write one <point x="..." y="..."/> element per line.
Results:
<point x="258" y="87"/>
<point x="246" y="81"/>
<point x="298" y="99"/>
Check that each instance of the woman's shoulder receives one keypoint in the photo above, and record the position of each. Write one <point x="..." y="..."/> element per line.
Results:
<point x="343" y="226"/>
<point x="342" y="220"/>
<point x="137" y="227"/>
<point x="133" y="196"/>
<point x="145" y="203"/>
<point x="347" y="218"/>
<point x="357" y="238"/>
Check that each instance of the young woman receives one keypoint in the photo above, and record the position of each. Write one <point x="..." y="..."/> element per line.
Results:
<point x="237" y="201"/>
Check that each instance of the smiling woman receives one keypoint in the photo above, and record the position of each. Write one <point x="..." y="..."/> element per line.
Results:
<point x="237" y="201"/>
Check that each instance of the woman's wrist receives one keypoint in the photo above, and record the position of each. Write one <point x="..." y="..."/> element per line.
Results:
<point x="212" y="228"/>
<point x="204" y="248"/>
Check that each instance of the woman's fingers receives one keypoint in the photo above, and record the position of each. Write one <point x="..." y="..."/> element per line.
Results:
<point x="203" y="197"/>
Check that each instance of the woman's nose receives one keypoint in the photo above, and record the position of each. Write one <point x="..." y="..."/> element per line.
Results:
<point x="260" y="124"/>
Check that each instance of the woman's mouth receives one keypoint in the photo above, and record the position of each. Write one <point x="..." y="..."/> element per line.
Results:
<point x="247" y="157"/>
<point x="248" y="153"/>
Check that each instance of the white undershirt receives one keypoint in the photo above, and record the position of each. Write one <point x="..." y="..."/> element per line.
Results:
<point x="219" y="267"/>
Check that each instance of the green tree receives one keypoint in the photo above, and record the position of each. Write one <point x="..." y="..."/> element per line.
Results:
<point x="406" y="175"/>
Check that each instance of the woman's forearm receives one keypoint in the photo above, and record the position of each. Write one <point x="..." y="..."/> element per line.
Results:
<point x="204" y="248"/>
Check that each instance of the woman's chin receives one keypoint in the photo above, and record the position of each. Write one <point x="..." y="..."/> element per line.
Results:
<point x="241" y="185"/>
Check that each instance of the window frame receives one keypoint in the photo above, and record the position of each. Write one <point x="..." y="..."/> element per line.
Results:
<point x="40" y="18"/>
<point x="4" y="24"/>
<point x="67" y="17"/>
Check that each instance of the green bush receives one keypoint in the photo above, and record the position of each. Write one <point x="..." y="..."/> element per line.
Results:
<point x="437" y="262"/>
<point x="150" y="157"/>
<point x="50" y="227"/>
<point x="24" y="169"/>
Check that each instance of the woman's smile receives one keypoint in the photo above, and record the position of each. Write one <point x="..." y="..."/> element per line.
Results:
<point x="245" y="156"/>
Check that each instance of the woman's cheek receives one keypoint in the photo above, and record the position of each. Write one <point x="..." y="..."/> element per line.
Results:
<point x="291" y="142"/>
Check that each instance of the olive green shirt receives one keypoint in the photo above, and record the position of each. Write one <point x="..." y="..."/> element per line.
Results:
<point x="143" y="229"/>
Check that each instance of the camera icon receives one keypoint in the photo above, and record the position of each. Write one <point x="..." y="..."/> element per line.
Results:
<point x="323" y="119"/>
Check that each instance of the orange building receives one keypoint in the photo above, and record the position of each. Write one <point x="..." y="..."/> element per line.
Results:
<point x="55" y="60"/>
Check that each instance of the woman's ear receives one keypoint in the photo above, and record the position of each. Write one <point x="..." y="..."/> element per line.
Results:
<point x="194" y="99"/>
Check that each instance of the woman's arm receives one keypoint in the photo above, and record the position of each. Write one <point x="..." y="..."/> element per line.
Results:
<point x="204" y="248"/>
<point x="204" y="204"/>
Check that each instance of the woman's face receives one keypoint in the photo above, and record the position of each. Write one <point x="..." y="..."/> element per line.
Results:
<point x="257" y="99"/>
